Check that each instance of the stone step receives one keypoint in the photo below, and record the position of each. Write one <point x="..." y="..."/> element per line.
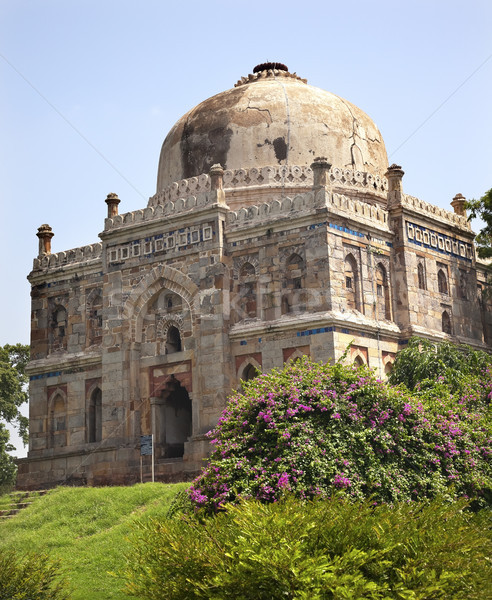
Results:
<point x="21" y="500"/>
<point x="9" y="512"/>
<point x="20" y="504"/>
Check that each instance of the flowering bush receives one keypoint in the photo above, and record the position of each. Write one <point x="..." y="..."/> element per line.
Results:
<point x="312" y="429"/>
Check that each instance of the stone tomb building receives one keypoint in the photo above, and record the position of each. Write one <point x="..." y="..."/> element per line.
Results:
<point x="277" y="230"/>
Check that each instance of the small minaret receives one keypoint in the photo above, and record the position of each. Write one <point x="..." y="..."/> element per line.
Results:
<point x="321" y="172"/>
<point x="458" y="204"/>
<point x="321" y="181"/>
<point x="45" y="233"/>
<point x="395" y="187"/>
<point x="112" y="201"/>
<point x="216" y="175"/>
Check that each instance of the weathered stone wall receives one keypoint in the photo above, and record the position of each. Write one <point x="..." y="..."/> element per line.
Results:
<point x="150" y="331"/>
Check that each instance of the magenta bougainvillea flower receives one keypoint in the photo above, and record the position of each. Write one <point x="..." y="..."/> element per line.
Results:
<point x="311" y="429"/>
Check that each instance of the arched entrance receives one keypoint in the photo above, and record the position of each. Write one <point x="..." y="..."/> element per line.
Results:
<point x="172" y="419"/>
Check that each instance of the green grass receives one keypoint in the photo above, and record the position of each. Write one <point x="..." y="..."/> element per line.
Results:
<point x="87" y="529"/>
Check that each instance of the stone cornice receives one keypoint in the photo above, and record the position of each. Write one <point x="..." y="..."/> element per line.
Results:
<point x="51" y="274"/>
<point x="343" y="320"/>
<point x="63" y="454"/>
<point x="64" y="361"/>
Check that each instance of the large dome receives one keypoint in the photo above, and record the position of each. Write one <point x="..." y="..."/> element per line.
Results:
<point x="271" y="118"/>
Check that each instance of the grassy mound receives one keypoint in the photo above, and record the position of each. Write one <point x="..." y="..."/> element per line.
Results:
<point x="87" y="529"/>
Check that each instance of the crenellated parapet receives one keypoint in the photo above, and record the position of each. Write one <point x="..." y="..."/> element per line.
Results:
<point x="171" y="208"/>
<point x="273" y="177"/>
<point x="304" y="203"/>
<point x="84" y="255"/>
<point x="435" y="212"/>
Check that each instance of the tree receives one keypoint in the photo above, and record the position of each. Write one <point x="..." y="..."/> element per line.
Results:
<point x="482" y="209"/>
<point x="13" y="394"/>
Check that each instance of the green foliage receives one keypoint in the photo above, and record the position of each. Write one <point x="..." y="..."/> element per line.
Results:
<point x="311" y="429"/>
<point x="8" y="468"/>
<point x="13" y="394"/>
<point x="317" y="550"/>
<point x="30" y="577"/>
<point x="482" y="209"/>
<point x="86" y="530"/>
<point x="423" y="364"/>
<point x="13" y="381"/>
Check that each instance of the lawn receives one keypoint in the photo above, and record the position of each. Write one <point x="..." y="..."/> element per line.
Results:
<point x="87" y="529"/>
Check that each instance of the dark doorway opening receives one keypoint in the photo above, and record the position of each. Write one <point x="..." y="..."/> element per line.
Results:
<point x="175" y="419"/>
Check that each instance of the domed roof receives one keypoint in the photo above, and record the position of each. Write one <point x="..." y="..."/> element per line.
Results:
<point x="271" y="118"/>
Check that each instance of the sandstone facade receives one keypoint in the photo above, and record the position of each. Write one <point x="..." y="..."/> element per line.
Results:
<point x="231" y="270"/>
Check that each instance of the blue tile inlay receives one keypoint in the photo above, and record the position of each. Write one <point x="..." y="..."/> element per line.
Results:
<point x="314" y="331"/>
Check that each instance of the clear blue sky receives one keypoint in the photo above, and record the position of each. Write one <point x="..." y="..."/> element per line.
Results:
<point x="84" y="78"/>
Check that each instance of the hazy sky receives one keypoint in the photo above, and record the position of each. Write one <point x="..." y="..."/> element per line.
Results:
<point x="89" y="90"/>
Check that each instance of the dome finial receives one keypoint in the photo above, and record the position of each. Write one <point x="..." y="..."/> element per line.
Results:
<point x="270" y="65"/>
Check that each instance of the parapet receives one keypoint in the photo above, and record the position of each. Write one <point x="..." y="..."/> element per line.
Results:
<point x="84" y="255"/>
<point x="272" y="177"/>
<point x="364" y="212"/>
<point x="426" y="209"/>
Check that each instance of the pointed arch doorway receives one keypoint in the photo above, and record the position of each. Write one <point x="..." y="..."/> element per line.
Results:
<point x="171" y="419"/>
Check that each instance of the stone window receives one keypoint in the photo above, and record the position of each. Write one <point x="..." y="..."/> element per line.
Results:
<point x="358" y="361"/>
<point x="173" y="340"/>
<point x="382" y="293"/>
<point x="351" y="282"/>
<point x="293" y="297"/>
<point x="249" y="373"/>
<point x="58" y="328"/>
<point x="94" y="318"/>
<point x="446" y="322"/>
<point x="57" y="423"/>
<point x="388" y="367"/>
<point x="164" y="305"/>
<point x="442" y="282"/>
<point x="421" y="276"/>
<point x="247" y="305"/>
<point x="95" y="417"/>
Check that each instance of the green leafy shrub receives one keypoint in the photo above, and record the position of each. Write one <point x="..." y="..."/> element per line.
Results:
<point x="312" y="429"/>
<point x="30" y="577"/>
<point x="315" y="550"/>
<point x="423" y="364"/>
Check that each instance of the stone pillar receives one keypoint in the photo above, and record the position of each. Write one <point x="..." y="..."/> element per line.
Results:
<point x="321" y="172"/>
<point x="395" y="187"/>
<point x="458" y="205"/>
<point x="217" y="193"/>
<point x="112" y="201"/>
<point x="45" y="233"/>
<point x="321" y="182"/>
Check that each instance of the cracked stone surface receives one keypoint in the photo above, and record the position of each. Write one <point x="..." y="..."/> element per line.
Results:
<point x="271" y="121"/>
